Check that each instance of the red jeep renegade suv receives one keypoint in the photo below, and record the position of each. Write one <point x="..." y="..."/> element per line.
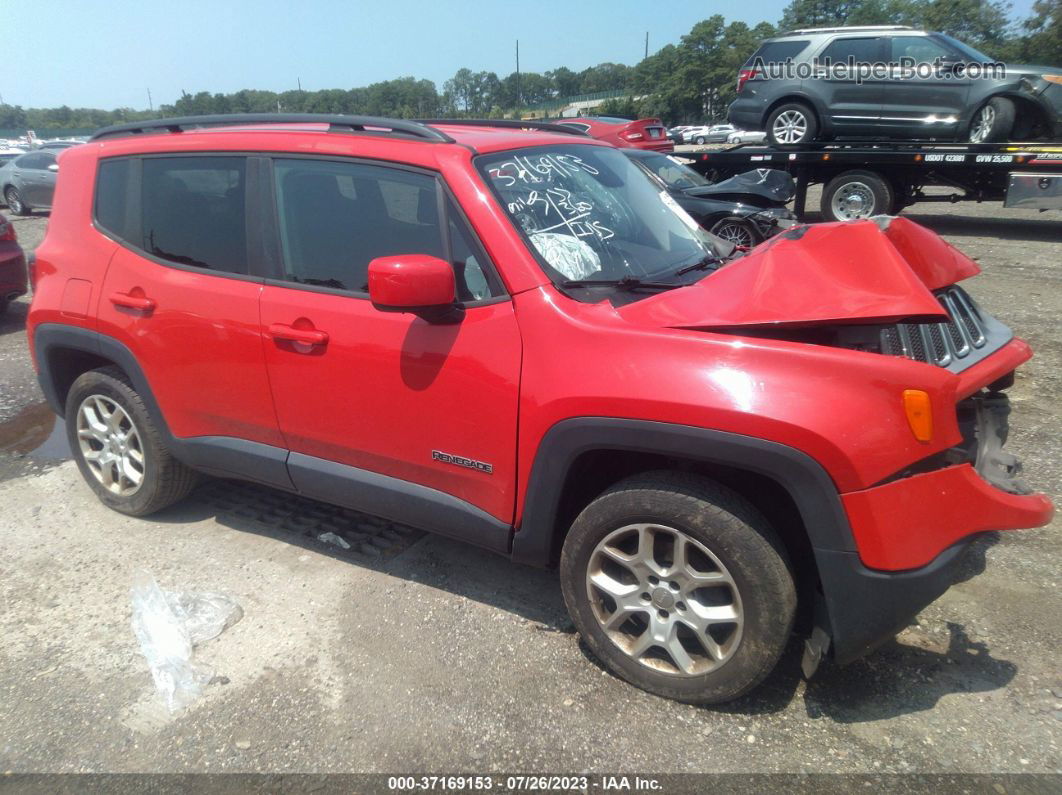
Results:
<point x="507" y="334"/>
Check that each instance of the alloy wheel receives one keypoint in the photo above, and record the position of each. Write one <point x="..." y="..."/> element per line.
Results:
<point x="982" y="124"/>
<point x="110" y="444"/>
<point x="14" y="201"/>
<point x="664" y="599"/>
<point x="790" y="127"/>
<point x="735" y="233"/>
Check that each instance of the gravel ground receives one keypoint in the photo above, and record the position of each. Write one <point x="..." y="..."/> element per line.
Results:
<point x="413" y="653"/>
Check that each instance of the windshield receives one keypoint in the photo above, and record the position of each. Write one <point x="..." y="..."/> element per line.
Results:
<point x="968" y="51"/>
<point x="672" y="171"/>
<point x="590" y="213"/>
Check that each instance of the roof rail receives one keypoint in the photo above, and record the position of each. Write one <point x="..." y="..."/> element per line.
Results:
<point x="336" y="123"/>
<point x="842" y="28"/>
<point x="512" y="124"/>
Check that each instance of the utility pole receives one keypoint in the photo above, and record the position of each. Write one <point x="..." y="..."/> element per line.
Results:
<point x="646" y="44"/>
<point x="151" y="105"/>
<point x="299" y="81"/>
<point x="518" y="75"/>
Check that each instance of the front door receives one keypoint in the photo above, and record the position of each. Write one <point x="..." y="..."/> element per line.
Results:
<point x="918" y="100"/>
<point x="372" y="402"/>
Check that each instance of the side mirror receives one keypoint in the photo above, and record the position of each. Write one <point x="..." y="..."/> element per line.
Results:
<point x="53" y="167"/>
<point x="415" y="283"/>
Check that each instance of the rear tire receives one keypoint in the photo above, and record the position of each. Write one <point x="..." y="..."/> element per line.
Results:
<point x="704" y="626"/>
<point x="792" y="124"/>
<point x="992" y="122"/>
<point x="117" y="447"/>
<point x="856" y="195"/>
<point x="15" y="203"/>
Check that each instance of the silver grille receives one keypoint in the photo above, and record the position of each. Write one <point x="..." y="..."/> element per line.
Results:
<point x="943" y="344"/>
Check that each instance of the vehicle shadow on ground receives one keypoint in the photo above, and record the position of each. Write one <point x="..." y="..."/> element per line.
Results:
<point x="1027" y="229"/>
<point x="903" y="676"/>
<point x="352" y="537"/>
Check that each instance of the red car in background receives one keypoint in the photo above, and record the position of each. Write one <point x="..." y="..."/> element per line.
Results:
<point x="640" y="134"/>
<point x="12" y="265"/>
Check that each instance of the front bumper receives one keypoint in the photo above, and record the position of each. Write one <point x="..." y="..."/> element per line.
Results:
<point x="867" y="607"/>
<point x="907" y="523"/>
<point x="910" y="532"/>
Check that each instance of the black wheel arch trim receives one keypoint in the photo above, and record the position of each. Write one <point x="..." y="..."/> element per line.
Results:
<point x="810" y="487"/>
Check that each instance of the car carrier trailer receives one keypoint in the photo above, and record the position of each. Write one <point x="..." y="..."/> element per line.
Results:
<point x="864" y="179"/>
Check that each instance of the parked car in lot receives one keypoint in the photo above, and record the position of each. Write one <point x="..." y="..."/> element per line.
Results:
<point x="707" y="134"/>
<point x="1023" y="102"/>
<point x="624" y="133"/>
<point x="675" y="133"/>
<point x="746" y="137"/>
<point x="514" y="337"/>
<point x="27" y="182"/>
<point x="12" y="265"/>
<point x="743" y="212"/>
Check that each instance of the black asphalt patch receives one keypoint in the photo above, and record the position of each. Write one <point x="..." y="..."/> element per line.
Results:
<point x="345" y="533"/>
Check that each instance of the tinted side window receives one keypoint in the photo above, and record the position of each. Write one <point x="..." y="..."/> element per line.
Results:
<point x="192" y="211"/>
<point x="860" y="50"/>
<point x="112" y="197"/>
<point x="778" y="51"/>
<point x="32" y="160"/>
<point x="475" y="280"/>
<point x="921" y="49"/>
<point x="335" y="218"/>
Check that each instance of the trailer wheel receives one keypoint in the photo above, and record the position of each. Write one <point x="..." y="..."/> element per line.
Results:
<point x="855" y="195"/>
<point x="992" y="122"/>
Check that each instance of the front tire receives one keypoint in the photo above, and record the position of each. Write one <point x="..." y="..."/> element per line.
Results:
<point x="699" y="140"/>
<point x="15" y="203"/>
<point x="792" y="123"/>
<point x="679" y="586"/>
<point x="118" y="448"/>
<point x="992" y="122"/>
<point x="738" y="231"/>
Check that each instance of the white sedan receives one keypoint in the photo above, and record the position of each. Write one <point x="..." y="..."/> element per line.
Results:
<point x="746" y="137"/>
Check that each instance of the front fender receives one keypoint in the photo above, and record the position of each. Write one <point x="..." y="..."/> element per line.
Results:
<point x="804" y="479"/>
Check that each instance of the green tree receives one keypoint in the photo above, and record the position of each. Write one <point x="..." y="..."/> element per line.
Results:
<point x="1042" y="42"/>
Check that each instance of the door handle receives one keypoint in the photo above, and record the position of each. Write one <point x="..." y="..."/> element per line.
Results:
<point x="137" y="302"/>
<point x="307" y="336"/>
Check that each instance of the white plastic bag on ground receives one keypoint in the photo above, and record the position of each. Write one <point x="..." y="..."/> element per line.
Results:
<point x="168" y="625"/>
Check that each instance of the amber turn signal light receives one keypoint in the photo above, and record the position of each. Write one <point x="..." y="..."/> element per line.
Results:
<point x="919" y="414"/>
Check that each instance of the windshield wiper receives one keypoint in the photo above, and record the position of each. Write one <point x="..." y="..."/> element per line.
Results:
<point x="626" y="283"/>
<point x="703" y="264"/>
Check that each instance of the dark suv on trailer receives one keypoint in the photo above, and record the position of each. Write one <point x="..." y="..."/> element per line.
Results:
<point x="829" y="90"/>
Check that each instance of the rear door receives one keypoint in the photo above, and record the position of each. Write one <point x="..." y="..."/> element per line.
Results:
<point x="179" y="294"/>
<point x="852" y="102"/>
<point x="430" y="407"/>
<point x="29" y="177"/>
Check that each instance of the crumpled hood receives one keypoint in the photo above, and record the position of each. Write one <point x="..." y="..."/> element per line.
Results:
<point x="875" y="271"/>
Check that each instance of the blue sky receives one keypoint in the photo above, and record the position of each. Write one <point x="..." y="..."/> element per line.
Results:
<point x="107" y="54"/>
